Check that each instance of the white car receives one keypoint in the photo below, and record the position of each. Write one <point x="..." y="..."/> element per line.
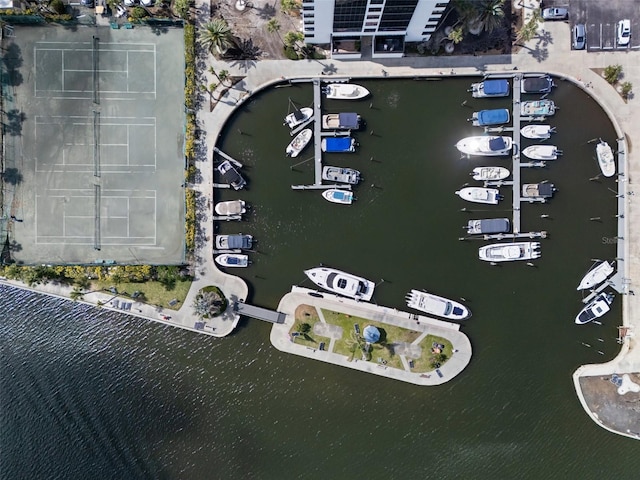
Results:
<point x="555" y="13"/>
<point x="624" y="32"/>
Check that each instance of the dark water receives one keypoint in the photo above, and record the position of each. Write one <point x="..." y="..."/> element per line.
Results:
<point x="91" y="394"/>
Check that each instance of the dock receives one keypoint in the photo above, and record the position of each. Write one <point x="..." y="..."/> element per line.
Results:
<point x="516" y="154"/>
<point x="258" y="313"/>
<point x="220" y="218"/>
<point x="227" y="157"/>
<point x="317" y="129"/>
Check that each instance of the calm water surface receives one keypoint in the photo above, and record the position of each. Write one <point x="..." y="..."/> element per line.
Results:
<point x="92" y="394"/>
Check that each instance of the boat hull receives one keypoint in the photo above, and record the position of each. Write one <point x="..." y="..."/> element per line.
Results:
<point x="490" y="89"/>
<point x="537" y="108"/>
<point x="488" y="226"/>
<point x="537" y="132"/>
<point x="298" y="117"/>
<point x="342" y="283"/>
<point x="345" y="91"/>
<point x="509" y="252"/>
<point x="596" y="276"/>
<point x="485" y="146"/>
<point x="480" y="195"/>
<point x="605" y="159"/>
<point x="232" y="260"/>
<point x="596" y="309"/>
<point x="233" y="207"/>
<point x="435" y="305"/>
<point x="335" y="195"/>
<point x="490" y="173"/>
<point x="541" y="152"/>
<point x="299" y="143"/>
<point x="339" y="174"/>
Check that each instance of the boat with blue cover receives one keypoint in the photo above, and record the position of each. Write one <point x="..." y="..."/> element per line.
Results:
<point x="496" y="116"/>
<point x="338" y="144"/>
<point x="490" y="88"/>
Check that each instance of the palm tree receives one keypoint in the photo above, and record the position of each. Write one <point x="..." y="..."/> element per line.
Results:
<point x="490" y="15"/>
<point x="216" y="35"/>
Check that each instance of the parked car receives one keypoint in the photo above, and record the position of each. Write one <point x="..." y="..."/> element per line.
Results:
<point x="86" y="3"/>
<point x="579" y="36"/>
<point x="556" y="13"/>
<point x="624" y="32"/>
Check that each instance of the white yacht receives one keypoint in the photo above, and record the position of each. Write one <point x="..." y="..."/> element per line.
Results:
<point x="435" y="305"/>
<point x="233" y="207"/>
<point x="298" y="116"/>
<point x="596" y="276"/>
<point x="537" y="132"/>
<point x="509" y="252"/>
<point x="480" y="195"/>
<point x="605" y="159"/>
<point x="341" y="282"/>
<point x="340" y="174"/>
<point x="490" y="173"/>
<point x="336" y="195"/>
<point x="597" y="308"/>
<point x="299" y="142"/>
<point x="484" y="145"/>
<point x="232" y="242"/>
<point x="345" y="91"/>
<point x="542" y="152"/>
<point x="232" y="260"/>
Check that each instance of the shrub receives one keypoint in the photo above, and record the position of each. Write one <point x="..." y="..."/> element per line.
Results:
<point x="58" y="6"/>
<point x="625" y="89"/>
<point x="291" y="53"/>
<point x="612" y="73"/>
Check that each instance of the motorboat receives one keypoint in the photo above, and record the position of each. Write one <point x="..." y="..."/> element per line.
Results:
<point x="597" y="308"/>
<point x="539" y="192"/>
<point x="337" y="195"/>
<point x="480" y="195"/>
<point x="342" y="283"/>
<point x="345" y="91"/>
<point x="435" y="305"/>
<point x="605" y="159"/>
<point x="490" y="173"/>
<point x="509" y="252"/>
<point x="341" y="121"/>
<point x="490" y="88"/>
<point x="537" y="108"/>
<point x="537" y="131"/>
<point x="485" y="118"/>
<point x="596" y="275"/>
<point x="542" y="152"/>
<point x="338" y="144"/>
<point x="485" y="145"/>
<point x="298" y="117"/>
<point x="488" y="226"/>
<point x="232" y="260"/>
<point x="233" y="207"/>
<point x="542" y="84"/>
<point x="231" y="175"/>
<point x="339" y="174"/>
<point x="299" y="142"/>
<point x="231" y="242"/>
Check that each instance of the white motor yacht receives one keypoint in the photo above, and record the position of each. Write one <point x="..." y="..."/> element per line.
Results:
<point x="597" y="308"/>
<point x="509" y="252"/>
<point x="596" y="276"/>
<point x="480" y="195"/>
<point x="341" y="282"/>
<point x="435" y="305"/>
<point x="483" y="145"/>
<point x="605" y="159"/>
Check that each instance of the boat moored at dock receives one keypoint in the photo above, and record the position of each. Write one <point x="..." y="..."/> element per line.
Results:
<point x="490" y="173"/>
<point x="605" y="159"/>
<point x="233" y="207"/>
<point x="339" y="174"/>
<point x="488" y="226"/>
<point x="537" y="131"/>
<point x="297" y="117"/>
<point x="480" y="195"/>
<point x="341" y="283"/>
<point x="231" y="175"/>
<point x="597" y="308"/>
<point x="336" y="195"/>
<point x="542" y="84"/>
<point x="596" y="276"/>
<point x="485" y="118"/>
<point x="542" y="152"/>
<point x="435" y="305"/>
<point x="537" y="108"/>
<point x="509" y="252"/>
<point x="338" y="145"/>
<point x="234" y="260"/>
<point x="341" y="121"/>
<point x="490" y="88"/>
<point x="231" y="242"/>
<point x="299" y="142"/>
<point x="538" y="191"/>
<point x="484" y="145"/>
<point x="345" y="91"/>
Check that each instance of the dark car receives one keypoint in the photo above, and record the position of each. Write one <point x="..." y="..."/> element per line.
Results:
<point x="87" y="3"/>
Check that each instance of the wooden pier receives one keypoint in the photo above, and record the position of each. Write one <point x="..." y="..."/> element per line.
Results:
<point x="227" y="157"/>
<point x="317" y="129"/>
<point x="516" y="154"/>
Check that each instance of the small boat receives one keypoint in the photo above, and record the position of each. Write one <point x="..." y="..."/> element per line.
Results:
<point x="538" y="191"/>
<point x="339" y="174"/>
<point x="231" y="175"/>
<point x="435" y="305"/>
<point x="336" y="195"/>
<point x="338" y="144"/>
<point x="509" y="252"/>
<point x="537" y="108"/>
<point x="341" y="283"/>
<point x="605" y="159"/>
<point x="490" y="117"/>
<point x="490" y="173"/>
<point x="233" y="207"/>
<point x="341" y="121"/>
<point x="229" y="242"/>
<point x="299" y="142"/>
<point x="542" y="152"/>
<point x="596" y="276"/>
<point x="542" y="84"/>
<point x="488" y="226"/>
<point x="537" y="132"/>
<point x="297" y="117"/>
<point x="345" y="91"/>
<point x="597" y="308"/>
<point x="490" y="88"/>
<point x="485" y="145"/>
<point x="480" y="195"/>
<point x="232" y="260"/>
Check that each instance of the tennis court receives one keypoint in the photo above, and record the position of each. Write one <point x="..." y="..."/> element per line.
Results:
<point x="100" y="149"/>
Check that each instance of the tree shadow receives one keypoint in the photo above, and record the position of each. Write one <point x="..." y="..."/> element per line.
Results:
<point x="329" y="69"/>
<point x="267" y="12"/>
<point x="15" y="118"/>
<point x="244" y="49"/>
<point x="12" y="176"/>
<point x="12" y="60"/>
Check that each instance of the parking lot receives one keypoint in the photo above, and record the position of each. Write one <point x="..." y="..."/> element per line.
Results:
<point x="600" y="19"/>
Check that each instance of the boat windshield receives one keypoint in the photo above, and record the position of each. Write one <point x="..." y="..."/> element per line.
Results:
<point x="448" y="308"/>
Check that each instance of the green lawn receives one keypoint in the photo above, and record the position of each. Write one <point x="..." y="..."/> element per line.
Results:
<point x="154" y="292"/>
<point x="381" y="352"/>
